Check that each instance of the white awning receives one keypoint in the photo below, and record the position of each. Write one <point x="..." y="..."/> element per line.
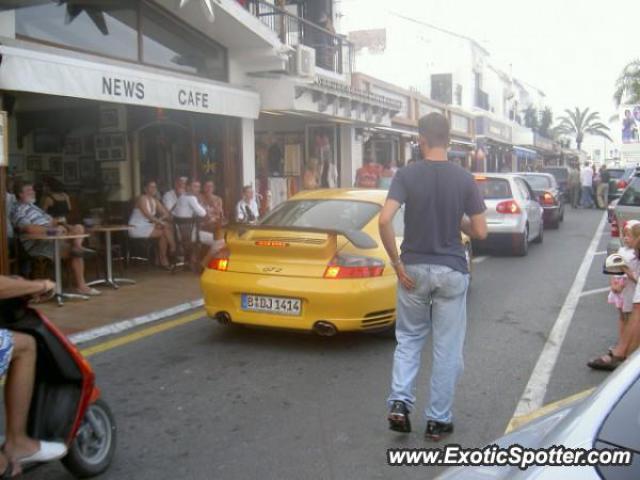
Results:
<point x="30" y="70"/>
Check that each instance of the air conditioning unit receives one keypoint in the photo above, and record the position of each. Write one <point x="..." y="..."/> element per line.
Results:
<point x="304" y="61"/>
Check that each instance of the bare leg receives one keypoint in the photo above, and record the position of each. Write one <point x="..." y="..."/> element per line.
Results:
<point x="77" y="265"/>
<point x="633" y="332"/>
<point x="162" y="251"/>
<point x="77" y="230"/>
<point x="18" y="392"/>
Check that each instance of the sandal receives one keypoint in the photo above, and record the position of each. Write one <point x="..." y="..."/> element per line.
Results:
<point x="608" y="362"/>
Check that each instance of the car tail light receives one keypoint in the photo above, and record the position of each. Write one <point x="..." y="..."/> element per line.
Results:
<point x="615" y="230"/>
<point x="509" y="207"/>
<point x="354" y="266"/>
<point x="547" y="199"/>
<point x="622" y="184"/>
<point x="220" y="264"/>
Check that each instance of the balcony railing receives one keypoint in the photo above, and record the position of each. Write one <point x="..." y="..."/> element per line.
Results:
<point x="333" y="52"/>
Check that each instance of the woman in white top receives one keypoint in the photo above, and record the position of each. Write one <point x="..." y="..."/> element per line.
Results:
<point x="150" y="219"/>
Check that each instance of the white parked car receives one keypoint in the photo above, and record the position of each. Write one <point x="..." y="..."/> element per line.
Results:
<point x="514" y="215"/>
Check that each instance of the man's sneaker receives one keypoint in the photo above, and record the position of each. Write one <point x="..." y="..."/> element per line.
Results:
<point x="437" y="430"/>
<point x="399" y="417"/>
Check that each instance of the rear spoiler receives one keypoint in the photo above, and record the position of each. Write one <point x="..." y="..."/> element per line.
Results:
<point x="357" y="238"/>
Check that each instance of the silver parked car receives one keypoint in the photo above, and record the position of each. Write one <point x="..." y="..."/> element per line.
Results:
<point x="609" y="418"/>
<point x="620" y="211"/>
<point x="514" y="215"/>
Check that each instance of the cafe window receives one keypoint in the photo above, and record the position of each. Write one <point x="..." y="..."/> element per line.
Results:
<point x="80" y="25"/>
<point x="166" y="44"/>
<point x="124" y="29"/>
<point x="460" y="123"/>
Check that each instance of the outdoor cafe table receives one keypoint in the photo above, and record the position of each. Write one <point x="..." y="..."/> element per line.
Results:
<point x="109" y="280"/>
<point x="57" y="262"/>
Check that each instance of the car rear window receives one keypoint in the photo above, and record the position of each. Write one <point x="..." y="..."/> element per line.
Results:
<point x="616" y="173"/>
<point x="330" y="214"/>
<point x="631" y="196"/>
<point x="494" y="188"/>
<point x="539" y="182"/>
<point x="561" y="174"/>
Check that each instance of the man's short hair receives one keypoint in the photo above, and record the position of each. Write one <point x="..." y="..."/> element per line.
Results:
<point x="19" y="186"/>
<point x="246" y="188"/>
<point x="434" y="127"/>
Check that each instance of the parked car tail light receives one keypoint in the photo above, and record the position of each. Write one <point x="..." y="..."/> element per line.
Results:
<point x="354" y="266"/>
<point x="615" y="230"/>
<point x="508" y="207"/>
<point x="621" y="184"/>
<point x="220" y="264"/>
<point x="547" y="199"/>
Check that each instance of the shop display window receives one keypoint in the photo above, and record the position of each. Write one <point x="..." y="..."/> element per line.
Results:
<point x="108" y="30"/>
<point x="128" y="30"/>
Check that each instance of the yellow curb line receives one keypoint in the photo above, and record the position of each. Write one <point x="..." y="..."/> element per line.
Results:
<point x="139" y="335"/>
<point x="522" y="419"/>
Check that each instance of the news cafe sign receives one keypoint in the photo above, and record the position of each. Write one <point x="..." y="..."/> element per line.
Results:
<point x="40" y="72"/>
<point x="120" y="88"/>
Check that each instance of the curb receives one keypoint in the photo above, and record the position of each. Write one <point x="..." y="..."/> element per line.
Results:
<point x="124" y="325"/>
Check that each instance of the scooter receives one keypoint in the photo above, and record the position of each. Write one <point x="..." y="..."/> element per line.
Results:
<point x="66" y="404"/>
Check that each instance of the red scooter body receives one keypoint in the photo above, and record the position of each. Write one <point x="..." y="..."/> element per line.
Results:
<point x="66" y="404"/>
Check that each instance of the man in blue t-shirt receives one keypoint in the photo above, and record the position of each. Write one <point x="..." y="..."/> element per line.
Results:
<point x="440" y="199"/>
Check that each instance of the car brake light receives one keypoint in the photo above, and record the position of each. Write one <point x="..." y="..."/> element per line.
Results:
<point x="622" y="184"/>
<point x="548" y="199"/>
<point x="615" y="230"/>
<point x="509" y="207"/>
<point x="220" y="264"/>
<point x="353" y="266"/>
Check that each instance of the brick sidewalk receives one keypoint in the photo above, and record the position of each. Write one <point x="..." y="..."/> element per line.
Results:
<point x="155" y="290"/>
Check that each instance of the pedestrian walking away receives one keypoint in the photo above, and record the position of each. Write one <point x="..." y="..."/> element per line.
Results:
<point x="432" y="274"/>
<point x="586" y="183"/>
<point x="603" y="187"/>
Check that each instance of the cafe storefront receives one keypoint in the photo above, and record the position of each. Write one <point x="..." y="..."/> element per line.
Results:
<point x="494" y="143"/>
<point x="156" y="104"/>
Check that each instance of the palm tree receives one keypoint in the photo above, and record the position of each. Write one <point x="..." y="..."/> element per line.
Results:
<point x="628" y="84"/>
<point x="531" y="118"/>
<point x="578" y="123"/>
<point x="546" y="120"/>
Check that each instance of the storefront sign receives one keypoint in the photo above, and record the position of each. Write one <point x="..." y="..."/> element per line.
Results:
<point x="40" y="72"/>
<point x="4" y="141"/>
<point x="493" y="129"/>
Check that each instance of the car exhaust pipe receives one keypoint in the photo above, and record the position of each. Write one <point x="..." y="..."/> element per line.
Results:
<point x="325" y="329"/>
<point x="223" y="318"/>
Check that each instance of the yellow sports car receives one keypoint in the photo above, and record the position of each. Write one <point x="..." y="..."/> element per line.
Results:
<point x="315" y="263"/>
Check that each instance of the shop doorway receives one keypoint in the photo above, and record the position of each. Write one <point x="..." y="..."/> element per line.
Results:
<point x="165" y="153"/>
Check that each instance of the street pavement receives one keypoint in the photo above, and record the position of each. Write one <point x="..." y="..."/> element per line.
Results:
<point x="203" y="401"/>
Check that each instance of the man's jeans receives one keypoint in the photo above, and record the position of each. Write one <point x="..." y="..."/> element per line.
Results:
<point x="438" y="303"/>
<point x="587" y="198"/>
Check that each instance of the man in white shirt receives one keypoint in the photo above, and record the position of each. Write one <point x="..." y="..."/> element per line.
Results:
<point x="188" y="205"/>
<point x="247" y="208"/>
<point x="170" y="199"/>
<point x="586" y="183"/>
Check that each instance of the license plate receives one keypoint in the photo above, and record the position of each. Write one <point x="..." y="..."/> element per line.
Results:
<point x="279" y="305"/>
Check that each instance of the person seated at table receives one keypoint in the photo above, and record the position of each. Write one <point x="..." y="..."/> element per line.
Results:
<point x="170" y="198"/>
<point x="29" y="219"/>
<point x="18" y="361"/>
<point x="56" y="201"/>
<point x="215" y="218"/>
<point x="247" y="208"/>
<point x="150" y="219"/>
<point x="189" y="206"/>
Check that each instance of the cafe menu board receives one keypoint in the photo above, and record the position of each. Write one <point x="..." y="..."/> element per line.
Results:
<point x="4" y="143"/>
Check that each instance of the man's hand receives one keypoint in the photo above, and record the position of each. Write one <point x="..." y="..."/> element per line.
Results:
<point x="406" y="281"/>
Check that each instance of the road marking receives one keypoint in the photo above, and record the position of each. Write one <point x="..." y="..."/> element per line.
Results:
<point x="550" y="407"/>
<point x="119" y="327"/>
<point x="536" y="389"/>
<point x="147" y="332"/>
<point x="479" y="259"/>
<point x="601" y="252"/>
<point x="595" y="291"/>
